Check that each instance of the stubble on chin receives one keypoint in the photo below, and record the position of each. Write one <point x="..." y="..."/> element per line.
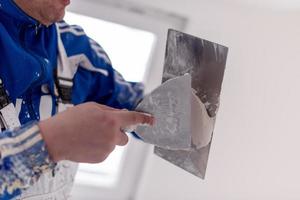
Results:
<point x="55" y="17"/>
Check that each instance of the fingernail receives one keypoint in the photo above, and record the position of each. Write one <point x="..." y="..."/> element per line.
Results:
<point x="147" y="114"/>
<point x="151" y="123"/>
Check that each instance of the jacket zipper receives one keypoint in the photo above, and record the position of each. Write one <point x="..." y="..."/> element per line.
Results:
<point x="35" y="56"/>
<point x="42" y="74"/>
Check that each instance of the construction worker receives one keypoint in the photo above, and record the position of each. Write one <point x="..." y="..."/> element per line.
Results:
<point x="61" y="102"/>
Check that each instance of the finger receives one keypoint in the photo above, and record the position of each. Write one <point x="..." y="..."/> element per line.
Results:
<point x="129" y="118"/>
<point x="123" y="139"/>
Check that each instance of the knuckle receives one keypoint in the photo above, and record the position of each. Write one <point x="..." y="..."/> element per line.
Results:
<point x="134" y="117"/>
<point x="110" y="122"/>
<point x="105" y="120"/>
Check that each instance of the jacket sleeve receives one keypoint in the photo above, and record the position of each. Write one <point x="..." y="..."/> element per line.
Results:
<point x="23" y="159"/>
<point x="95" y="78"/>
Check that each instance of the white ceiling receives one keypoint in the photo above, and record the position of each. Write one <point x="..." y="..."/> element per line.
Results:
<point x="274" y="4"/>
<point x="265" y="4"/>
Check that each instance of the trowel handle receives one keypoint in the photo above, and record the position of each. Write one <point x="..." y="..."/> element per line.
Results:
<point x="131" y="130"/>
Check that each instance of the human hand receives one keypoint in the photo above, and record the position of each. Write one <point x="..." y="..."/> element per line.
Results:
<point x="88" y="132"/>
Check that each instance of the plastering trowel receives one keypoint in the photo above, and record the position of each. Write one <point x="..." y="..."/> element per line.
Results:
<point x="186" y="104"/>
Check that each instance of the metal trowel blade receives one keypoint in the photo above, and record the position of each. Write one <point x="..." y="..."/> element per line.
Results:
<point x="205" y="61"/>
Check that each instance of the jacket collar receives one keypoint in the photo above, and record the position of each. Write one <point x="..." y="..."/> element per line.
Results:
<point x="11" y="9"/>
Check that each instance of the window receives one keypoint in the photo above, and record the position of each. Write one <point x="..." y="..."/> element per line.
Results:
<point x="129" y="49"/>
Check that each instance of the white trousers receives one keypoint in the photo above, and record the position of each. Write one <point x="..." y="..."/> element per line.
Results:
<point x="53" y="188"/>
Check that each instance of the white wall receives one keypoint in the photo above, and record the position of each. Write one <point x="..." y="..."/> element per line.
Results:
<point x="255" y="150"/>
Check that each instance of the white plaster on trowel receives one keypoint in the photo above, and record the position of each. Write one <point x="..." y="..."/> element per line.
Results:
<point x="167" y="104"/>
<point x="201" y="124"/>
<point x="170" y="105"/>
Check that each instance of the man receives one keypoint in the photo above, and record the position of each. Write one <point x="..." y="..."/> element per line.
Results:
<point x="45" y="66"/>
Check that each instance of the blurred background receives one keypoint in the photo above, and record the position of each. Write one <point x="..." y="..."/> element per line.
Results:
<point x="255" y="149"/>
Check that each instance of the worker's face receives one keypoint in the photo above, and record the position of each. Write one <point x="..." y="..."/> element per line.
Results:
<point x="45" y="11"/>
